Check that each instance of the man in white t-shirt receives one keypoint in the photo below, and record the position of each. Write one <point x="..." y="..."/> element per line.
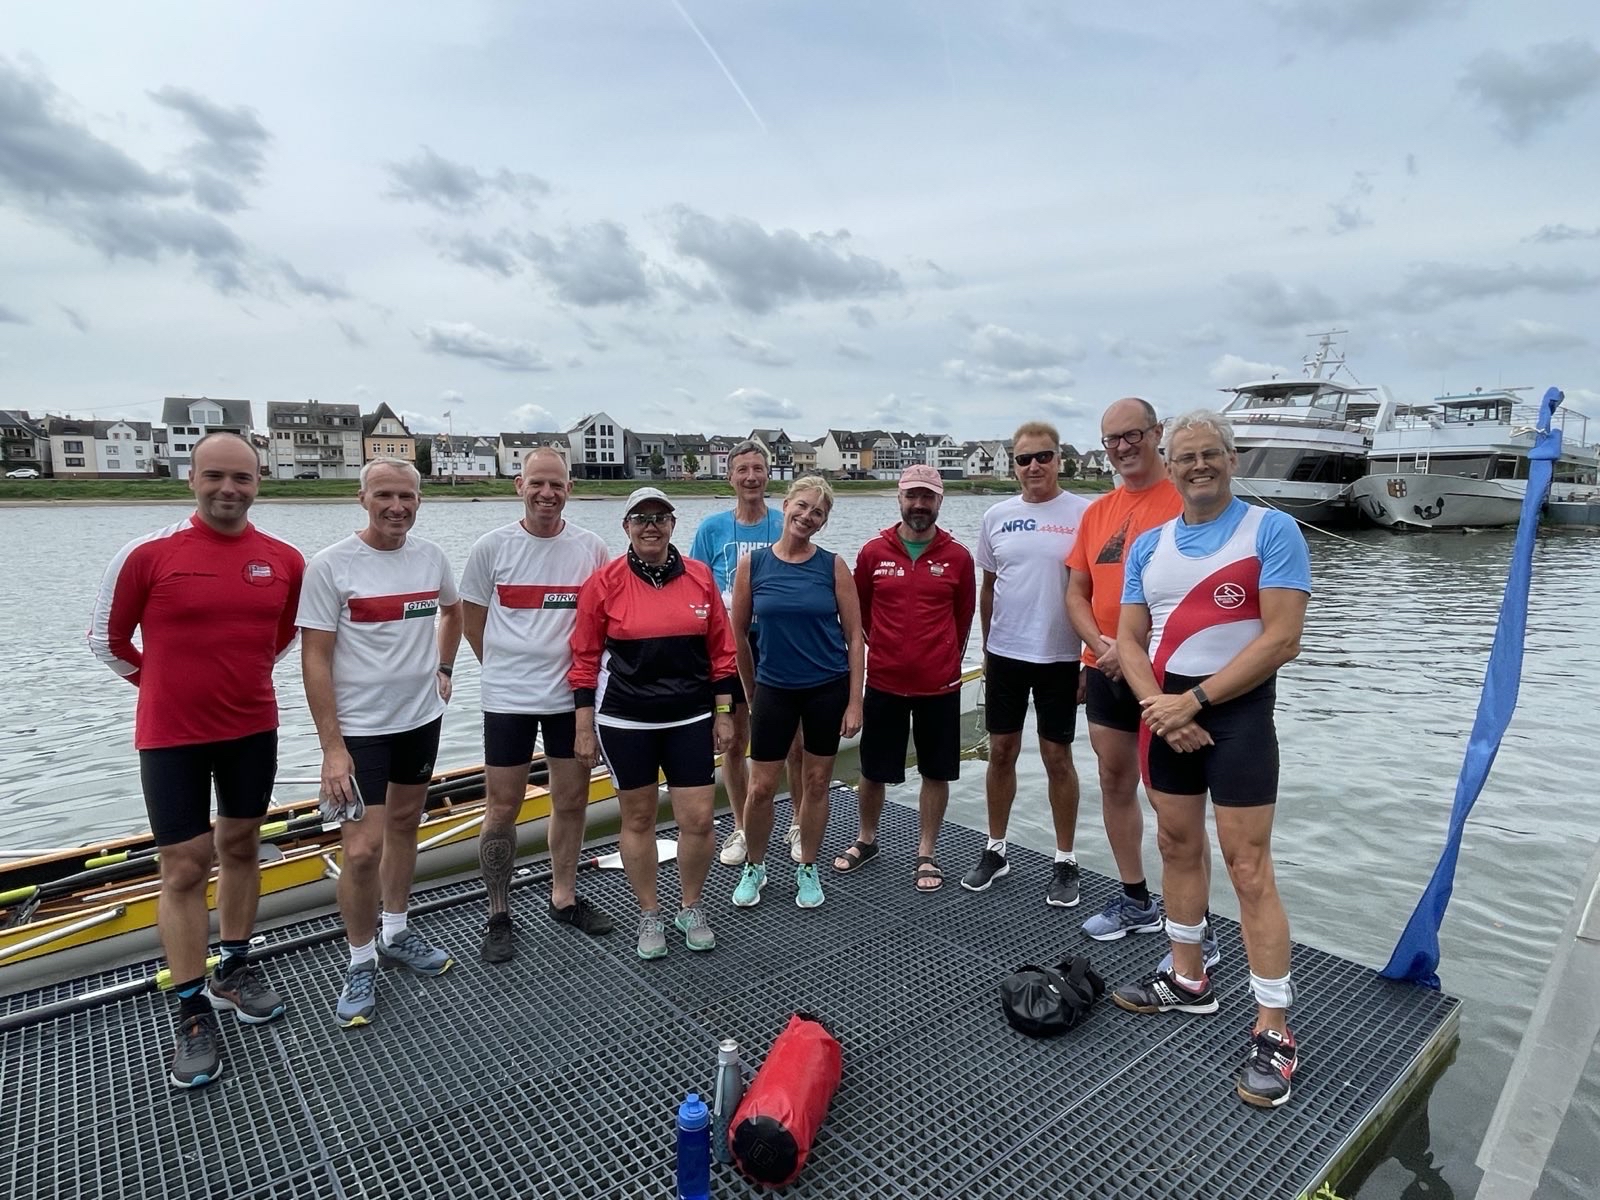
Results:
<point x="520" y="592"/>
<point x="380" y="624"/>
<point x="1030" y="647"/>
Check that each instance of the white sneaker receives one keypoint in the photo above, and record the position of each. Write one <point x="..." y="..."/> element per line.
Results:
<point x="733" y="849"/>
<point x="794" y="843"/>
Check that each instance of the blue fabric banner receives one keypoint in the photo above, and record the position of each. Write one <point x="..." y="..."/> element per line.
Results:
<point x="1416" y="955"/>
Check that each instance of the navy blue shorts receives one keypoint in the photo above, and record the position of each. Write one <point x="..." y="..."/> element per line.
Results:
<point x="1240" y="770"/>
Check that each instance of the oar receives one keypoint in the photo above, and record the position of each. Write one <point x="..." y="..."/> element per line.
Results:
<point x="270" y="832"/>
<point x="666" y="851"/>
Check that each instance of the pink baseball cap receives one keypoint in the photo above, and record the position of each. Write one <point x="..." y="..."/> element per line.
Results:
<point x="920" y="475"/>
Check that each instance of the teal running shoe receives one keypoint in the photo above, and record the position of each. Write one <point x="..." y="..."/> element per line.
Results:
<point x="751" y="880"/>
<point x="807" y="887"/>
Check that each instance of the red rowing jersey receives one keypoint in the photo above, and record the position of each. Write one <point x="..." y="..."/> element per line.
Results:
<point x="214" y="613"/>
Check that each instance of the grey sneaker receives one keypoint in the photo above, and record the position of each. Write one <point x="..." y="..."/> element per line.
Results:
<point x="359" y="998"/>
<point x="1208" y="947"/>
<point x="195" y="1061"/>
<point x="652" y="935"/>
<point x="1123" y="915"/>
<point x="1063" y="891"/>
<point x="412" y="951"/>
<point x="696" y="930"/>
<point x="246" y="994"/>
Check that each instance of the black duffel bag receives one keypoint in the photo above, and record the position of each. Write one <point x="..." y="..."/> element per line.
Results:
<point x="1046" y="1001"/>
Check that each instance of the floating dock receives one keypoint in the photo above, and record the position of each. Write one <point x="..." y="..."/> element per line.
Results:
<point x="558" y="1074"/>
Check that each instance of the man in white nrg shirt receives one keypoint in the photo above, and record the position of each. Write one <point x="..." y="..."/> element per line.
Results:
<point x="380" y="624"/>
<point x="1030" y="647"/>
<point x="520" y="591"/>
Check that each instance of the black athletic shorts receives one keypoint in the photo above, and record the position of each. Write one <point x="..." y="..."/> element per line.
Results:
<point x="639" y="757"/>
<point x="177" y="784"/>
<point x="385" y="758"/>
<point x="1007" y="683"/>
<point x="508" y="738"/>
<point x="1110" y="702"/>
<point x="887" y="722"/>
<point x="1240" y="770"/>
<point x="777" y="712"/>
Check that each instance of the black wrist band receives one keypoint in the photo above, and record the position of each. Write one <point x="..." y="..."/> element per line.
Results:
<point x="1199" y="694"/>
<point x="447" y="670"/>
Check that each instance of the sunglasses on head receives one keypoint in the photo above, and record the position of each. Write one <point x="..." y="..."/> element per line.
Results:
<point x="1044" y="457"/>
<point x="649" y="518"/>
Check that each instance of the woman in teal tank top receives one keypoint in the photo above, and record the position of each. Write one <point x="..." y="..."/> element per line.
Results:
<point x="807" y="618"/>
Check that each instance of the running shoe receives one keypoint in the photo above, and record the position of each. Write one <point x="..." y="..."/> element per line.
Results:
<point x="1161" y="993"/>
<point x="583" y="916"/>
<point x="195" y="1061"/>
<point x="696" y="930"/>
<point x="793" y="837"/>
<point x="1268" y="1066"/>
<point x="499" y="939"/>
<point x="807" y="887"/>
<point x="652" y="935"/>
<point x="1123" y="915"/>
<point x="412" y="951"/>
<point x="1063" y="891"/>
<point x="246" y="994"/>
<point x="358" y="1000"/>
<point x="751" y="880"/>
<point x="991" y="866"/>
<point x="734" y="849"/>
<point x="1208" y="947"/>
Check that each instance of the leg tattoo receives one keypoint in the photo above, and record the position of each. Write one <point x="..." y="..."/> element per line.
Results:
<point x="497" y="851"/>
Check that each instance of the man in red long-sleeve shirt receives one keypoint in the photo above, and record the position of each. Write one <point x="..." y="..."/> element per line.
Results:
<point x="918" y="591"/>
<point x="214" y="600"/>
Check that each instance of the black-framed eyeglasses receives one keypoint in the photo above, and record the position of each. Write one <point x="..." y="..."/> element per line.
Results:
<point x="1133" y="437"/>
<point x="649" y="518"/>
<point x="1043" y="457"/>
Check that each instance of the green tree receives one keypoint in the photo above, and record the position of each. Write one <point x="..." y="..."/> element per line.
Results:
<point x="657" y="463"/>
<point x="1069" y="467"/>
<point x="691" y="466"/>
<point x="424" y="456"/>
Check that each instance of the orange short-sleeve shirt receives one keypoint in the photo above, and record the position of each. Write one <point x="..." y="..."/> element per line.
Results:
<point x="1105" y="531"/>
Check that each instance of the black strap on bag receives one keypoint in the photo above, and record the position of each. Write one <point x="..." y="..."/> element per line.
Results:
<point x="1047" y="1001"/>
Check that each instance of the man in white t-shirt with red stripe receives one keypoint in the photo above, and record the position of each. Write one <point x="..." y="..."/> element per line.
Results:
<point x="380" y="624"/>
<point x="520" y="592"/>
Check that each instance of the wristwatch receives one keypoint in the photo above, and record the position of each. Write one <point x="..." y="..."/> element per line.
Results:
<point x="1200" y="697"/>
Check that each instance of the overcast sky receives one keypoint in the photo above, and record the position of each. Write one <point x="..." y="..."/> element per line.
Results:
<point x="709" y="215"/>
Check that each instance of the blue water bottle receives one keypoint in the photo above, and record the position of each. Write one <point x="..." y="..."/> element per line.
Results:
<point x="694" y="1149"/>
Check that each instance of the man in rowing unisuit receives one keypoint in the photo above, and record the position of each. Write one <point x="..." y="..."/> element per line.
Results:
<point x="1213" y="603"/>
<point x="520" y="596"/>
<point x="380" y="624"/>
<point x="214" y="601"/>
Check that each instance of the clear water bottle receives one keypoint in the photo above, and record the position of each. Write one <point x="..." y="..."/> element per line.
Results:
<point x="725" y="1097"/>
<point x="694" y="1149"/>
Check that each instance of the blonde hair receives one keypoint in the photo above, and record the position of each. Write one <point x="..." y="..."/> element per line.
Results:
<point x="1036" y="429"/>
<point x="811" y="483"/>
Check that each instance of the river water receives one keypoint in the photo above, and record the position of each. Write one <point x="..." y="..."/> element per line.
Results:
<point x="1373" y="719"/>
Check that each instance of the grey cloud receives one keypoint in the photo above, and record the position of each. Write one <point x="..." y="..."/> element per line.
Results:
<point x="1563" y="233"/>
<point x="1205" y="334"/>
<point x="352" y="335"/>
<point x="126" y="230"/>
<point x="462" y="340"/>
<point x="74" y="318"/>
<point x="1347" y="213"/>
<point x="593" y="265"/>
<point x="1433" y="351"/>
<point x="10" y="316"/>
<point x="591" y="337"/>
<point x="310" y="285"/>
<point x="217" y="194"/>
<point x="471" y="250"/>
<point x="760" y="271"/>
<point x="231" y="150"/>
<point x="1144" y="356"/>
<point x="1536" y="90"/>
<point x="1056" y="404"/>
<point x="1411" y="164"/>
<point x="1432" y="285"/>
<point x="913" y="411"/>
<point x="1524" y="335"/>
<point x="431" y="179"/>
<point x="1352" y="20"/>
<point x="1003" y="347"/>
<point x="756" y="351"/>
<point x="758" y="403"/>
<point x="1265" y="300"/>
<point x="852" y="350"/>
<point x="862" y="316"/>
<point x="1020" y="379"/>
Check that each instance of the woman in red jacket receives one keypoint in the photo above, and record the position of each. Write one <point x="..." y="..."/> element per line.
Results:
<point x="653" y="672"/>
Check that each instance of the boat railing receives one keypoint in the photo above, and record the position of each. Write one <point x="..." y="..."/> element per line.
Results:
<point x="1247" y="416"/>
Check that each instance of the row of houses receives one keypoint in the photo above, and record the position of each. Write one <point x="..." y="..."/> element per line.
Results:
<point x="315" y="440"/>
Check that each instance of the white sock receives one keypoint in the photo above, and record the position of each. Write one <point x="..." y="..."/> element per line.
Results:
<point x="394" y="924"/>
<point x="1194" y="985"/>
<point x="1066" y="856"/>
<point x="1272" y="993"/>
<point x="998" y="845"/>
<point x="363" y="954"/>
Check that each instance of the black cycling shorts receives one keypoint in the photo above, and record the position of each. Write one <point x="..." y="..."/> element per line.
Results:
<point x="1007" y="684"/>
<point x="775" y="713"/>
<point x="385" y="758"/>
<point x="640" y="757"/>
<point x="1110" y="702"/>
<point x="177" y="783"/>
<point x="888" y="721"/>
<point x="1240" y="770"/>
<point x="508" y="738"/>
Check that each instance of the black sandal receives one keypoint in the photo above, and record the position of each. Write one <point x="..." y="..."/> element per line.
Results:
<point x="928" y="868"/>
<point x="857" y="856"/>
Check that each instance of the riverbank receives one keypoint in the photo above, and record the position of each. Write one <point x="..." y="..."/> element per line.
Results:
<point x="152" y="491"/>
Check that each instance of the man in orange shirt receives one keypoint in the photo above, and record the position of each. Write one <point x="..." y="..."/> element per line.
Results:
<point x="1146" y="498"/>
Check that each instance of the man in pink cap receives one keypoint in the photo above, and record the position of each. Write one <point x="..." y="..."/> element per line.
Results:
<point x="918" y="592"/>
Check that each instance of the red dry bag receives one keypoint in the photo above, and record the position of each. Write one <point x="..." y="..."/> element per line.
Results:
<point x="772" y="1132"/>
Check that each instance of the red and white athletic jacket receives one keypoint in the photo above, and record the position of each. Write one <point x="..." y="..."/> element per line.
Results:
<point x="916" y="615"/>
<point x="214" y="613"/>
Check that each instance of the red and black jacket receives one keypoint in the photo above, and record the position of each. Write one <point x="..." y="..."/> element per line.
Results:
<point x="916" y="615"/>
<point x="648" y="652"/>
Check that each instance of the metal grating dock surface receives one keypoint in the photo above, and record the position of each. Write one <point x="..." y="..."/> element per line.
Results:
<point x="558" y="1074"/>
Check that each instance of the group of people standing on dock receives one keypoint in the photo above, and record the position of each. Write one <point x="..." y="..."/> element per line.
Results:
<point x="1164" y="607"/>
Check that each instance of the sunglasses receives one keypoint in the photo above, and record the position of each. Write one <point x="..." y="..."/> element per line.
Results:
<point x="655" y="518"/>
<point x="1133" y="437"/>
<point x="1044" y="457"/>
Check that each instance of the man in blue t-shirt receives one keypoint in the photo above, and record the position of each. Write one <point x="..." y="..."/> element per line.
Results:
<point x="720" y="542"/>
<point x="1213" y="603"/>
